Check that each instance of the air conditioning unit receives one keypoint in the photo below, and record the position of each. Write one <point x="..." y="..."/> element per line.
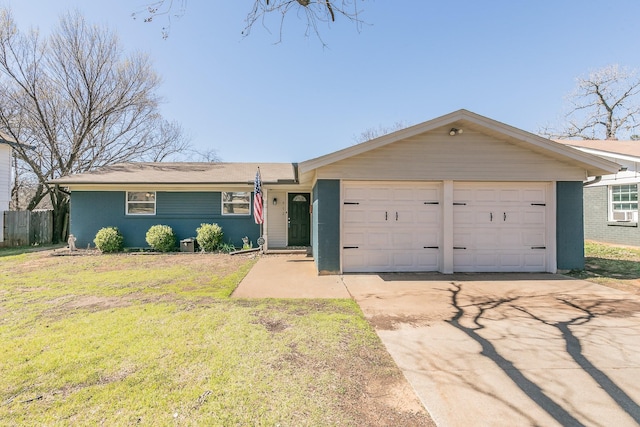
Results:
<point x="625" y="216"/>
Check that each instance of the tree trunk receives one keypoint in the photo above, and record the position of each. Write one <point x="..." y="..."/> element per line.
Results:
<point x="60" y="203"/>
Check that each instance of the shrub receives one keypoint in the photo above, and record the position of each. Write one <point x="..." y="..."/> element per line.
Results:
<point x="109" y="239"/>
<point x="209" y="236"/>
<point x="226" y="247"/>
<point x="161" y="238"/>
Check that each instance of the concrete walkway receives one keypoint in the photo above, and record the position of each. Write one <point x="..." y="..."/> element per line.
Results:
<point x="289" y="276"/>
<point x="491" y="350"/>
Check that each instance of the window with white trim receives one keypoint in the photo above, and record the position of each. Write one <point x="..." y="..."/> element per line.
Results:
<point x="623" y="203"/>
<point x="236" y="203"/>
<point x="141" y="202"/>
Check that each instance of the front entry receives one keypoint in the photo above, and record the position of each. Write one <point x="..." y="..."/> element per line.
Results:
<point x="299" y="220"/>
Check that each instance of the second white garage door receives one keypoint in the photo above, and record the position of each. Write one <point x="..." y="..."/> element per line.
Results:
<point x="500" y="227"/>
<point x="389" y="227"/>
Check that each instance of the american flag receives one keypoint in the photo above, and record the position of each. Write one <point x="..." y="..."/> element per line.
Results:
<point x="258" y="214"/>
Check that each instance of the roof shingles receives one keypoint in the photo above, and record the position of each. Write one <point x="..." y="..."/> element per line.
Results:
<point x="183" y="173"/>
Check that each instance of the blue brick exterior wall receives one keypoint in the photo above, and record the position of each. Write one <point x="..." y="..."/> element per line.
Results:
<point x="182" y="211"/>
<point x="326" y="226"/>
<point x="596" y="222"/>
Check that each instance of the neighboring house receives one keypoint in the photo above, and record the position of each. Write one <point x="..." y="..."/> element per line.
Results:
<point x="457" y="193"/>
<point x="5" y="179"/>
<point x="611" y="201"/>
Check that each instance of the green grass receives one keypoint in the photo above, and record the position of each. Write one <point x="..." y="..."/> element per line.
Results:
<point x="609" y="264"/>
<point x="17" y="250"/>
<point x="154" y="340"/>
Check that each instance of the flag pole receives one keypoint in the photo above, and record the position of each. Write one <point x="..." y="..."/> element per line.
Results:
<point x="258" y="207"/>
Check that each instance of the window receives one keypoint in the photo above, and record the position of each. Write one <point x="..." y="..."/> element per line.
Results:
<point x="141" y="202"/>
<point x="623" y="204"/>
<point x="236" y="203"/>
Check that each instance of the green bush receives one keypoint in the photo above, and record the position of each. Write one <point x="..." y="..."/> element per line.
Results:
<point x="209" y="236"/>
<point x="109" y="239"/>
<point x="226" y="247"/>
<point x="161" y="238"/>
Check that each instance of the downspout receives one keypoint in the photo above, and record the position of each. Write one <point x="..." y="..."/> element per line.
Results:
<point x="593" y="181"/>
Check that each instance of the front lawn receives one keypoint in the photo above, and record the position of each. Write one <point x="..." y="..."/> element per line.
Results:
<point x="610" y="265"/>
<point x="155" y="340"/>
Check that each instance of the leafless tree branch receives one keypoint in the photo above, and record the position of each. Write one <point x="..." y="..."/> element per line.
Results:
<point x="314" y="12"/>
<point x="79" y="102"/>
<point x="604" y="105"/>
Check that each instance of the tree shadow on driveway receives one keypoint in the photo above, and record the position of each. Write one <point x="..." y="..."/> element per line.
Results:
<point x="470" y="319"/>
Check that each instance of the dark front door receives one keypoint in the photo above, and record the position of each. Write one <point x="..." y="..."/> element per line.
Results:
<point x="299" y="219"/>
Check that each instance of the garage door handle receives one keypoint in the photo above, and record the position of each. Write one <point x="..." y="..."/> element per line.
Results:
<point x="459" y="204"/>
<point x="350" y="247"/>
<point x="459" y="247"/>
<point x="538" y="204"/>
<point x="504" y="218"/>
<point x="431" y="203"/>
<point x="351" y="203"/>
<point x="431" y="247"/>
<point x="396" y="216"/>
<point x="385" y="215"/>
<point x="538" y="247"/>
<point x="491" y="216"/>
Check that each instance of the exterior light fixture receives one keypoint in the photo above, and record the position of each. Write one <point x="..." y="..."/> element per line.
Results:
<point x="274" y="201"/>
<point x="455" y="131"/>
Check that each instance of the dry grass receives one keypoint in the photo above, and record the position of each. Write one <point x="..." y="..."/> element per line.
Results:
<point x="611" y="265"/>
<point x="154" y="340"/>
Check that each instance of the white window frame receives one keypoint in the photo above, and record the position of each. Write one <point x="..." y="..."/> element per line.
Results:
<point x="622" y="215"/>
<point x="148" y="202"/>
<point x="223" y="203"/>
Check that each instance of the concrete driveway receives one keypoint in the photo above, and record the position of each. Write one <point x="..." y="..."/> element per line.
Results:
<point x="510" y="350"/>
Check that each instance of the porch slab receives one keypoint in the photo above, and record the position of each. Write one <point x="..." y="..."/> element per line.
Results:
<point x="289" y="276"/>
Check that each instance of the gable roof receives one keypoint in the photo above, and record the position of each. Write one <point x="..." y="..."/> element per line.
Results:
<point x="607" y="147"/>
<point x="7" y="140"/>
<point x="461" y="119"/>
<point x="184" y="173"/>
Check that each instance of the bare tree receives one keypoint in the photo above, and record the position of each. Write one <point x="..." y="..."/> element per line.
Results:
<point x="371" y="133"/>
<point x="604" y="105"/>
<point x="315" y="12"/>
<point x="80" y="102"/>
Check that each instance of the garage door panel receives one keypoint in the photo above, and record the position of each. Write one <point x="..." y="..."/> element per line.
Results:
<point x="533" y="260"/>
<point x="534" y="238"/>
<point x="354" y="216"/>
<point x="509" y="195"/>
<point x="498" y="225"/>
<point x="377" y="239"/>
<point x="401" y="220"/>
<point x="534" y="218"/>
<point x="485" y="195"/>
<point x="536" y="195"/>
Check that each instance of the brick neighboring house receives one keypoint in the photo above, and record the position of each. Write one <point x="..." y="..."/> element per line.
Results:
<point x="611" y="201"/>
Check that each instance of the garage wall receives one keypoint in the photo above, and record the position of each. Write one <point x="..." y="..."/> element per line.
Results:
<point x="569" y="226"/>
<point x="437" y="156"/>
<point x="326" y="226"/>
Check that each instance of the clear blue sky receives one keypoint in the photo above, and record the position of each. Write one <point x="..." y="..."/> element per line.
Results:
<point x="253" y="99"/>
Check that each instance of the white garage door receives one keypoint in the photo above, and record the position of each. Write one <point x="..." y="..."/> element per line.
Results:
<point x="389" y="227"/>
<point x="499" y="227"/>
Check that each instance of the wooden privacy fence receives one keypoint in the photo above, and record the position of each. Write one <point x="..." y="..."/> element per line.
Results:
<point x="24" y="228"/>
